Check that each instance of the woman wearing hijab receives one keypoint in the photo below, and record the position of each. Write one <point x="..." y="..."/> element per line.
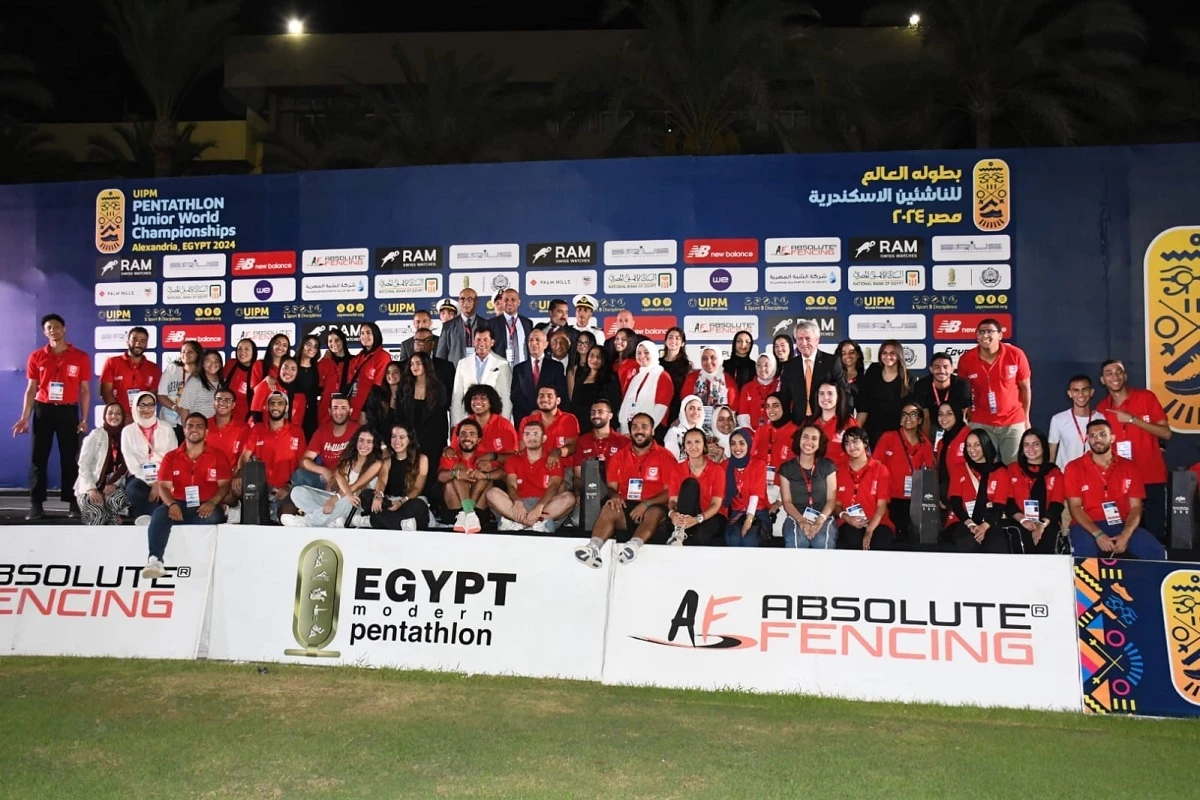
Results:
<point x="241" y="375"/>
<point x="949" y="443"/>
<point x="691" y="415"/>
<point x="740" y="364"/>
<point x="650" y="388"/>
<point x="366" y="369"/>
<point x="100" y="488"/>
<point x="746" y="505"/>
<point x="723" y="425"/>
<point x="978" y="499"/>
<point x="333" y="371"/>
<point x="1036" y="495"/>
<point x="710" y="383"/>
<point x="751" y="402"/>
<point x="904" y="452"/>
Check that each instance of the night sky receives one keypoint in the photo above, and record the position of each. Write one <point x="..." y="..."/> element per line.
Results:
<point x="83" y="68"/>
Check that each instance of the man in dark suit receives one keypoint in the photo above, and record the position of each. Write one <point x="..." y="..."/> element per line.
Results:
<point x="509" y="325"/>
<point x="422" y="321"/>
<point x="458" y="335"/>
<point x="806" y="372"/>
<point x="533" y="373"/>
<point x="558" y="321"/>
<point x="424" y="341"/>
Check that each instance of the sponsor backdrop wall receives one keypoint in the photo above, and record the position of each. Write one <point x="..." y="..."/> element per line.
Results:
<point x="1057" y="244"/>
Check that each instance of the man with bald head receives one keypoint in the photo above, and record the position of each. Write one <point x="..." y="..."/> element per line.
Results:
<point x="511" y="329"/>
<point x="458" y="334"/>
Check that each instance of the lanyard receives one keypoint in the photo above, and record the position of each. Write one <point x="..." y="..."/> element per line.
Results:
<point x="858" y="480"/>
<point x="808" y="476"/>
<point x="1082" y="435"/>
<point x="937" y="399"/>
<point x="149" y="437"/>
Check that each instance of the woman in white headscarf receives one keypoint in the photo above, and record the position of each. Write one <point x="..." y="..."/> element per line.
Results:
<point x="691" y="415"/>
<point x="649" y="390"/>
<point x="710" y="383"/>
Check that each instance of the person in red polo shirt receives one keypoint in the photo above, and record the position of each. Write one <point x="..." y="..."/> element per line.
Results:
<point x="193" y="481"/>
<point x="499" y="438"/>
<point x="57" y="391"/>
<point x="534" y="497"/>
<point x="695" y="494"/>
<point x="1138" y="423"/>
<point x="1035" y="498"/>
<point x="1104" y="494"/>
<point x="978" y="520"/>
<point x="637" y="485"/>
<point x="904" y="452"/>
<point x="327" y="444"/>
<point x="125" y="375"/>
<point x="228" y="435"/>
<point x="562" y="429"/>
<point x="464" y="472"/>
<point x="366" y="368"/>
<point x="1000" y="388"/>
<point x="746" y="503"/>
<point x="862" y="495"/>
<point x="279" y="444"/>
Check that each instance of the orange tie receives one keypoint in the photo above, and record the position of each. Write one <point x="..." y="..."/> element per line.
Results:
<point x="808" y="370"/>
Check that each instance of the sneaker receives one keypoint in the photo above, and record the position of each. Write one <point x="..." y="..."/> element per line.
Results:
<point x="540" y="526"/>
<point x="678" y="537"/>
<point x="142" y="521"/>
<point x="36" y="512"/>
<point x="73" y="511"/>
<point x="588" y="553"/>
<point x="506" y="524"/>
<point x="292" y="521"/>
<point x="153" y="569"/>
<point x="408" y="524"/>
<point x="233" y="515"/>
<point x="460" y="523"/>
<point x="361" y="521"/>
<point x="628" y="552"/>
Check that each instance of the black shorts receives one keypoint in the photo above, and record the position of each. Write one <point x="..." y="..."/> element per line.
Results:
<point x="630" y="525"/>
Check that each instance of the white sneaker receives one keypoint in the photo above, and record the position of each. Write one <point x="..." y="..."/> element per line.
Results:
<point x="408" y="524"/>
<point x="540" y="526"/>
<point x="153" y="568"/>
<point x="361" y="521"/>
<point x="506" y="524"/>
<point x="628" y="552"/>
<point x="142" y="521"/>
<point x="678" y="537"/>
<point x="460" y="523"/>
<point x="233" y="515"/>
<point x="292" y="521"/>
<point x="588" y="553"/>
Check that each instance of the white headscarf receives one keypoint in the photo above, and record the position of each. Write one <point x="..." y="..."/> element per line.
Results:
<point x="674" y="439"/>
<point x="711" y="387"/>
<point x="774" y="367"/>
<point x="643" y="388"/>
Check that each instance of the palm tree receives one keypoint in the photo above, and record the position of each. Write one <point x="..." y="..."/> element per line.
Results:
<point x="132" y="154"/>
<point x="1018" y="71"/>
<point x="169" y="45"/>
<point x="449" y="112"/>
<point x="704" y="81"/>
<point x="28" y="154"/>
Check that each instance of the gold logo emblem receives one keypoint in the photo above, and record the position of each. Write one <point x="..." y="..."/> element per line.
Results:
<point x="1172" y="266"/>
<point x="993" y="200"/>
<point x="1181" y="604"/>
<point x="110" y="221"/>
<point x="318" y="589"/>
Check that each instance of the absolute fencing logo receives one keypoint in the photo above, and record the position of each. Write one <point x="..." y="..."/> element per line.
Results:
<point x="74" y="590"/>
<point x="873" y="627"/>
<point x="318" y="588"/>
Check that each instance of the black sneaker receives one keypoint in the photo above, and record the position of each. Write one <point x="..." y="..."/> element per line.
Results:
<point x="36" y="512"/>
<point x="73" y="511"/>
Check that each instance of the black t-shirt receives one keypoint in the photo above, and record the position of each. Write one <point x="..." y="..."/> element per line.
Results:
<point x="799" y="478"/>
<point x="958" y="394"/>
<point x="881" y="400"/>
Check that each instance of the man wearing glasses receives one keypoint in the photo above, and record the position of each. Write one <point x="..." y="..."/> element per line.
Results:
<point x="422" y="323"/>
<point x="1000" y="387"/>
<point x="458" y="335"/>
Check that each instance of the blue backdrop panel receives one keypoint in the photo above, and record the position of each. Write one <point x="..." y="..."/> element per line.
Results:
<point x="749" y="242"/>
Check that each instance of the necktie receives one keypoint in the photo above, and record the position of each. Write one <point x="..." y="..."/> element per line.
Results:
<point x="512" y="342"/>
<point x="537" y="371"/>
<point x="808" y="375"/>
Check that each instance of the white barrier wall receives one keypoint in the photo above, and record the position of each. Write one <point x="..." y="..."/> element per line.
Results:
<point x="79" y="591"/>
<point x="443" y="601"/>
<point x="945" y="628"/>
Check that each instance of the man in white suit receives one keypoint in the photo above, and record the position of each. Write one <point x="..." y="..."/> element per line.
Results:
<point x="489" y="369"/>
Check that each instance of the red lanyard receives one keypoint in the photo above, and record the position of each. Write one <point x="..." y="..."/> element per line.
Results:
<point x="1082" y="435"/>
<point x="857" y="481"/>
<point x="149" y="437"/>
<point x="808" y="476"/>
<point x="937" y="400"/>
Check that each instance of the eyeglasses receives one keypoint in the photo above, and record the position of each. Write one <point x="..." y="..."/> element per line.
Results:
<point x="987" y="331"/>
<point x="910" y="415"/>
<point x="146" y="405"/>
<point x="225" y="400"/>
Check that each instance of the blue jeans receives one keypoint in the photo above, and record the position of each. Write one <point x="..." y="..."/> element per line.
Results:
<point x="302" y="477"/>
<point x="826" y="538"/>
<point x="137" y="492"/>
<point x="1142" y="545"/>
<point x="160" y="525"/>
<point x="733" y="532"/>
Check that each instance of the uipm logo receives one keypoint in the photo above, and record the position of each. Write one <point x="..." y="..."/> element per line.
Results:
<point x="318" y="596"/>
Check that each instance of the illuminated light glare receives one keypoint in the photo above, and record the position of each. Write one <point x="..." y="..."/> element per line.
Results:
<point x="295" y="26"/>
<point x="914" y="20"/>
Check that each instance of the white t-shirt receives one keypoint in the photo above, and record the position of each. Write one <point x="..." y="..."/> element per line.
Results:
<point x="170" y="385"/>
<point x="1065" y="432"/>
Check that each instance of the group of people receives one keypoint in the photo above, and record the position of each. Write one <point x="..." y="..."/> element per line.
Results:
<point x="496" y="418"/>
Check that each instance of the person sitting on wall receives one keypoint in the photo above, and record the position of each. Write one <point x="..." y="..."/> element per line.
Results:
<point x="533" y="497"/>
<point x="696" y="493"/>
<point x="464" y="472"/>
<point x="280" y="445"/>
<point x="395" y="502"/>
<point x="144" y="442"/>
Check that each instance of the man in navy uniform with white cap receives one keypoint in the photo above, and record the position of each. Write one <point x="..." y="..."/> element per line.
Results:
<point x="585" y="308"/>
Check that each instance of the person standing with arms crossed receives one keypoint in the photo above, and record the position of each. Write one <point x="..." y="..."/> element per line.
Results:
<point x="57" y="399"/>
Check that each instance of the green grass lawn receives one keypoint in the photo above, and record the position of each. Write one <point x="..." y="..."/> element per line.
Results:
<point x="90" y="728"/>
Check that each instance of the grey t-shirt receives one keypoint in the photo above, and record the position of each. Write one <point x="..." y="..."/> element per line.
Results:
<point x="799" y="479"/>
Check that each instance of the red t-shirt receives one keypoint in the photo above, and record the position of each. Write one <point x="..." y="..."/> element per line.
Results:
<point x="957" y="456"/>
<point x="329" y="446"/>
<point x="281" y="450"/>
<point x="963" y="484"/>
<point x="626" y="369"/>
<point x="865" y="487"/>
<point x="774" y="445"/>
<point x="1084" y="479"/>
<point x="179" y="470"/>
<point x="70" y="368"/>
<point x="653" y="468"/>
<point x="563" y="427"/>
<point x="532" y="478"/>
<point x="369" y="370"/>
<point x="589" y="446"/>
<point x="750" y="481"/>
<point x="1020" y="485"/>
<point x="752" y="401"/>
<point x="903" y="459"/>
<point x="230" y="440"/>
<point x="711" y="480"/>
<point x="1144" y="450"/>
<point x="240" y="382"/>
<point x="1001" y="376"/>
<point x="834" y="451"/>
<point x="499" y="436"/>
<point x="329" y="377"/>
<point x="125" y="376"/>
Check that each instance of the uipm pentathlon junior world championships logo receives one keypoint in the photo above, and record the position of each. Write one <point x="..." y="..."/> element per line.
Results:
<point x="318" y="590"/>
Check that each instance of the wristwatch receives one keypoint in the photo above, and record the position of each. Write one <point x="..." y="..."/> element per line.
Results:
<point x="700" y="518"/>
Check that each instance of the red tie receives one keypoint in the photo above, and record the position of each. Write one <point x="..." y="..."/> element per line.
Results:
<point x="537" y="371"/>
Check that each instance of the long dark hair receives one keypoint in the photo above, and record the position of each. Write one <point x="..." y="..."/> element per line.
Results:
<point x="377" y="336"/>
<point x="192" y="344"/>
<point x="841" y="410"/>
<point x="268" y="358"/>
<point x="433" y="386"/>
<point x="300" y="350"/>
<point x="1023" y="461"/>
<point x="411" y="463"/>
<point x="350" y="455"/>
<point x="859" y="368"/>
<point x="631" y="340"/>
<point x="211" y="387"/>
<point x="603" y="375"/>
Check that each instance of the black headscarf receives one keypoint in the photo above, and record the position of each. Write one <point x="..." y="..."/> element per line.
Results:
<point x="740" y="368"/>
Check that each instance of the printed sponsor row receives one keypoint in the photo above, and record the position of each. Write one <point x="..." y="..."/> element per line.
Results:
<point x="649" y="252"/>
<point x="563" y="283"/>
